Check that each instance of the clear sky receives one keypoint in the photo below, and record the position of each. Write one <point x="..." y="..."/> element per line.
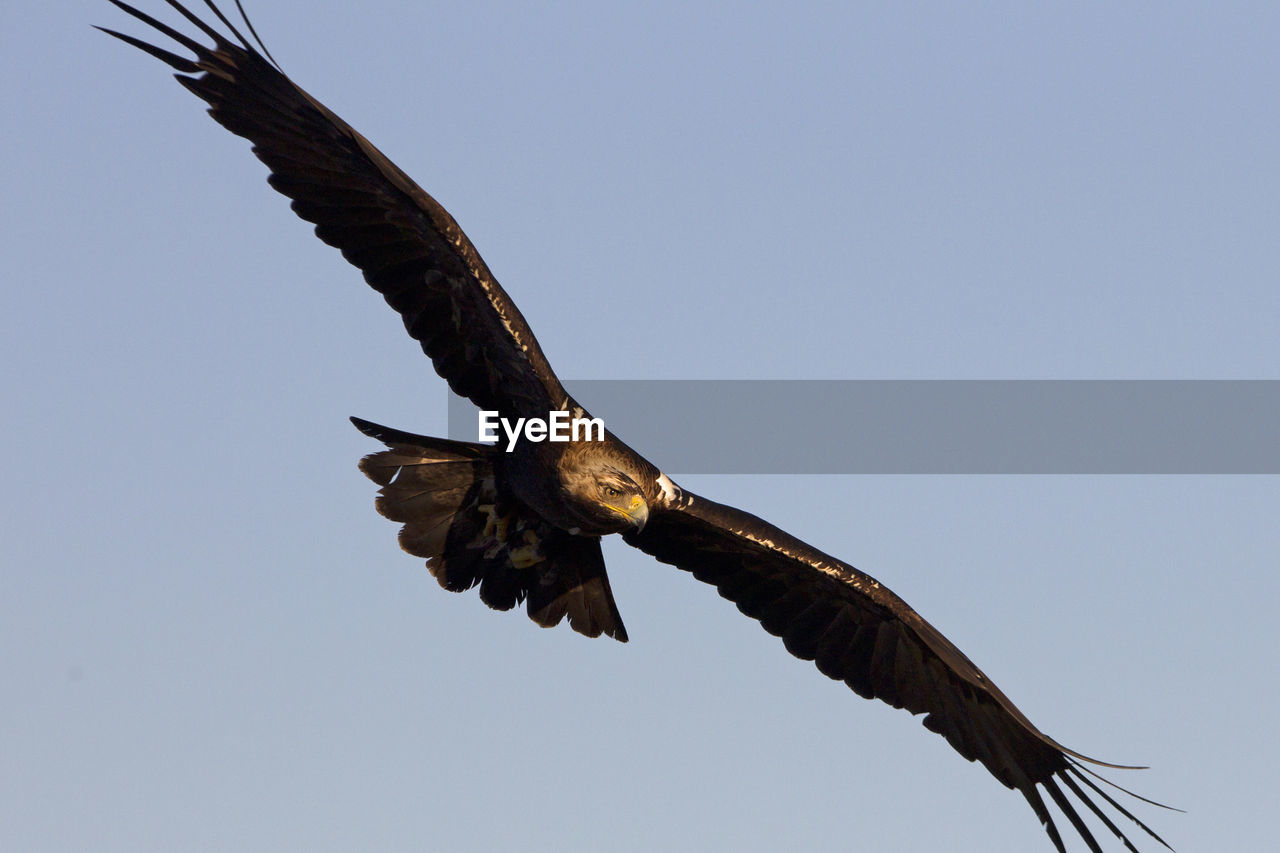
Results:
<point x="210" y="641"/>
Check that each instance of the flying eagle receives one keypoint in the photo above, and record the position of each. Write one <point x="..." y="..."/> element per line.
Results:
<point x="525" y="526"/>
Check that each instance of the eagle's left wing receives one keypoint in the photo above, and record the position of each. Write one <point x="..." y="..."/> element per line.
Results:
<point x="857" y="631"/>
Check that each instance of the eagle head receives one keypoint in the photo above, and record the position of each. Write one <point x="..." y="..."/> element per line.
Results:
<point x="603" y="494"/>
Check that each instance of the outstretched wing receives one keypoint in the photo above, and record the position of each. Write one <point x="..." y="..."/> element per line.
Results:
<point x="859" y="632"/>
<point x="408" y="247"/>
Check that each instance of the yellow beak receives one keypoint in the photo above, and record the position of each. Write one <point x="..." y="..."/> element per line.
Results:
<point x="637" y="513"/>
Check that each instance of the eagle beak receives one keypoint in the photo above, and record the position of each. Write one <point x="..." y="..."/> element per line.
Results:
<point x="638" y="513"/>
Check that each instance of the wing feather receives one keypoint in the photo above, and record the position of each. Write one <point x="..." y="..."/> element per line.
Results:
<point x="857" y="631"/>
<point x="408" y="247"/>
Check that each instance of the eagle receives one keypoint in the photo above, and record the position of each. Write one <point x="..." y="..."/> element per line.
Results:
<point x="525" y="526"/>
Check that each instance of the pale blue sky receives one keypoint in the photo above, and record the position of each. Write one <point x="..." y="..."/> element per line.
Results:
<point x="211" y="641"/>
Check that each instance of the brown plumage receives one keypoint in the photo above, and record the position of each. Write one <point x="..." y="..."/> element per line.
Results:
<point x="525" y="526"/>
<point x="457" y="514"/>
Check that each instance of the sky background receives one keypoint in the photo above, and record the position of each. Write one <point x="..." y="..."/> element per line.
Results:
<point x="210" y="641"/>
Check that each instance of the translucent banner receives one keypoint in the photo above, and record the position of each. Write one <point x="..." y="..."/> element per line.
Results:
<point x="936" y="426"/>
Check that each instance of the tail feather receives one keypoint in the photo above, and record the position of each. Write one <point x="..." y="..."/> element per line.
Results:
<point x="458" y="515"/>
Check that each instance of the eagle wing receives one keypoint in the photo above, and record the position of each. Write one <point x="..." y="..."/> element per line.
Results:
<point x="408" y="247"/>
<point x="857" y="631"/>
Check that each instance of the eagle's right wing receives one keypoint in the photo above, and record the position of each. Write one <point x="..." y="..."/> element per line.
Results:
<point x="408" y="247"/>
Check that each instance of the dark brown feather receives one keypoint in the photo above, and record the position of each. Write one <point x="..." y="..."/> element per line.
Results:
<point x="360" y="202"/>
<point x="857" y="631"/>
<point x="458" y="516"/>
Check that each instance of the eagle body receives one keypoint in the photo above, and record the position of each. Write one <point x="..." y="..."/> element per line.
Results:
<point x="525" y="526"/>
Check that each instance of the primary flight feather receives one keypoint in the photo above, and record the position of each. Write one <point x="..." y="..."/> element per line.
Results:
<point x="525" y="526"/>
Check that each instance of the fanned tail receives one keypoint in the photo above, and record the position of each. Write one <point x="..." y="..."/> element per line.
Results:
<point x="472" y="532"/>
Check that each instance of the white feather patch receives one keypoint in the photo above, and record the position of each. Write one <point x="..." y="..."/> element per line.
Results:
<point x="670" y="491"/>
